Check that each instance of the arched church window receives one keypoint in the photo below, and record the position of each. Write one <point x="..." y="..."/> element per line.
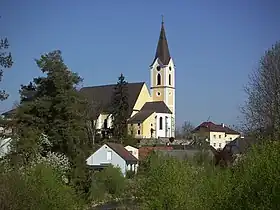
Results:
<point x="160" y="123"/>
<point x="158" y="79"/>
<point x="169" y="79"/>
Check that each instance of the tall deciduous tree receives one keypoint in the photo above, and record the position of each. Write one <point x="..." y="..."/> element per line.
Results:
<point x="52" y="104"/>
<point x="6" y="61"/>
<point x="120" y="109"/>
<point x="262" y="109"/>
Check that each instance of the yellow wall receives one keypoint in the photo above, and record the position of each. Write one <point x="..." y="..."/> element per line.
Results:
<point x="170" y="96"/>
<point x="144" y="127"/>
<point x="155" y="95"/>
<point x="143" y="97"/>
<point x="217" y="139"/>
<point x="147" y="125"/>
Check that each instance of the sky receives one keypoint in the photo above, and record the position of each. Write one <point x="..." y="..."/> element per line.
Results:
<point x="215" y="45"/>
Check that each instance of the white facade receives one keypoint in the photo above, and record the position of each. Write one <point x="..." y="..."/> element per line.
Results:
<point x="167" y="72"/>
<point x="4" y="146"/>
<point x="218" y="140"/>
<point x="163" y="125"/>
<point x="105" y="155"/>
<point x="104" y="120"/>
<point x="134" y="151"/>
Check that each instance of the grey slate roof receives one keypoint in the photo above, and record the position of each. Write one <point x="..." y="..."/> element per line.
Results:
<point x="139" y="117"/>
<point x="148" y="109"/>
<point x="162" y="52"/>
<point x="101" y="97"/>
<point x="156" y="106"/>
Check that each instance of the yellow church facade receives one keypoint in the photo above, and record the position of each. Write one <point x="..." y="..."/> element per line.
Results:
<point x="152" y="112"/>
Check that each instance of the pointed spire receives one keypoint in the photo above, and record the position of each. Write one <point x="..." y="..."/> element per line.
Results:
<point x="162" y="52"/>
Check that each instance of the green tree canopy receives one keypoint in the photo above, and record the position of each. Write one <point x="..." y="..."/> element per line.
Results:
<point x="52" y="105"/>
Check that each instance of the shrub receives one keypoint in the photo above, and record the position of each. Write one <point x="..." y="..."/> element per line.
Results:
<point x="40" y="188"/>
<point x="255" y="182"/>
<point x="165" y="184"/>
<point x="129" y="174"/>
<point x="108" y="181"/>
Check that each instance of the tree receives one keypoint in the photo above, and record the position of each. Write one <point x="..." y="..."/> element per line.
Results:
<point x="90" y="111"/>
<point x="262" y="108"/>
<point x="120" y="109"/>
<point x="6" y="61"/>
<point x="52" y="105"/>
<point x="187" y="128"/>
<point x="184" y="132"/>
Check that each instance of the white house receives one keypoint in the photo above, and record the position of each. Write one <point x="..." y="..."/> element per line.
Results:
<point x="115" y="154"/>
<point x="218" y="135"/>
<point x="133" y="150"/>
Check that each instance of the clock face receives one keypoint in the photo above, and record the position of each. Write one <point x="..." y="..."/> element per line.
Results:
<point x="158" y="68"/>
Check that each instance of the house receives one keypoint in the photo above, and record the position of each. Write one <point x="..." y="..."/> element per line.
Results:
<point x="218" y="135"/>
<point x="151" y="113"/>
<point x="240" y="145"/>
<point x="114" y="154"/>
<point x="133" y="150"/>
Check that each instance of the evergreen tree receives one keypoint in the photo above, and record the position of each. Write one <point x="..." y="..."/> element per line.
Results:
<point x="6" y="61"/>
<point x="52" y="105"/>
<point x="120" y="109"/>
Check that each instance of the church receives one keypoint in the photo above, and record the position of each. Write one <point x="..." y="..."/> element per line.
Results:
<point x="152" y="112"/>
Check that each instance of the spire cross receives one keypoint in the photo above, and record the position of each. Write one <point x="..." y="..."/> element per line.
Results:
<point x="162" y="19"/>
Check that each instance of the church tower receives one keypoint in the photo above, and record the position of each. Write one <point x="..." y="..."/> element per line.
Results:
<point x="162" y="72"/>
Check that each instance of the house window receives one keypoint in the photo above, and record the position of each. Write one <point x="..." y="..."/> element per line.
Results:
<point x="138" y="132"/>
<point x="160" y="123"/>
<point x="220" y="136"/>
<point x="158" y="79"/>
<point x="138" y="124"/>
<point x="220" y="145"/>
<point x="169" y="79"/>
<point x="230" y="138"/>
<point x="214" y="144"/>
<point x="109" y="155"/>
<point x="214" y="136"/>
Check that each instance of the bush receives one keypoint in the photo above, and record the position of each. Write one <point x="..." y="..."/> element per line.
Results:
<point x="129" y="174"/>
<point x="38" y="188"/>
<point x="165" y="184"/>
<point x="109" y="181"/>
<point x="254" y="183"/>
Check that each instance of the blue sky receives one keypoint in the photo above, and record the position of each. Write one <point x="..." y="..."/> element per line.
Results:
<point x="215" y="45"/>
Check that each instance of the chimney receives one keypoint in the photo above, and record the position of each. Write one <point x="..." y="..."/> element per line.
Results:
<point x="223" y="125"/>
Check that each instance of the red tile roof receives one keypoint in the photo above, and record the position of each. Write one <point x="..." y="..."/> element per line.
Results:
<point x="121" y="151"/>
<point x="215" y="128"/>
<point x="146" y="150"/>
